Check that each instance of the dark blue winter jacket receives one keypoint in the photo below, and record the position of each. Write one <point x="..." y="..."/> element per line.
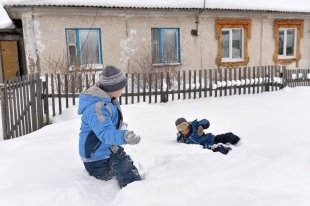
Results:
<point x="101" y="120"/>
<point x="207" y="140"/>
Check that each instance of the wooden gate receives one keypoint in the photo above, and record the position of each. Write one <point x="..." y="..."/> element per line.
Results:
<point x="22" y="110"/>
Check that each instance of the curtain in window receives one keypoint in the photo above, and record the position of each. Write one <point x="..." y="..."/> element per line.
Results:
<point x="89" y="43"/>
<point x="170" y="50"/>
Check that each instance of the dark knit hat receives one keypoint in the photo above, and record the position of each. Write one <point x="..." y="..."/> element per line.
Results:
<point x="181" y="124"/>
<point x="112" y="79"/>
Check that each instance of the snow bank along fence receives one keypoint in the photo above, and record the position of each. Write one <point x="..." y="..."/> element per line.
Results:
<point x="28" y="102"/>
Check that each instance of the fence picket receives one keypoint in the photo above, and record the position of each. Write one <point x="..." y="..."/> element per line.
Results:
<point x="138" y="87"/>
<point x="184" y="84"/>
<point x="4" y="111"/>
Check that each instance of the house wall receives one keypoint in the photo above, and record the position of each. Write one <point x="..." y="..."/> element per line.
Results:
<point x="126" y="35"/>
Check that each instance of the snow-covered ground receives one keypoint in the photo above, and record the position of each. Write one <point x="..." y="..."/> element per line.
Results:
<point x="270" y="166"/>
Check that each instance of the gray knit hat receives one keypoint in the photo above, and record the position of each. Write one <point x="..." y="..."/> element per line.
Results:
<point x="181" y="124"/>
<point x="112" y="79"/>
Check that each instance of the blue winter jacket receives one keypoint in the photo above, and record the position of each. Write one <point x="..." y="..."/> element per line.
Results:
<point x="207" y="140"/>
<point x="101" y="120"/>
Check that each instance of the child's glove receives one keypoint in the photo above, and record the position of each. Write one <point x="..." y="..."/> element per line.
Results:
<point x="222" y="149"/>
<point x="131" y="138"/>
<point x="200" y="130"/>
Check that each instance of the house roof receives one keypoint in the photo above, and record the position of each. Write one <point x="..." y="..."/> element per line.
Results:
<point x="302" y="6"/>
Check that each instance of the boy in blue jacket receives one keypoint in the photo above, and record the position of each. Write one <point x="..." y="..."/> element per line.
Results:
<point x="103" y="131"/>
<point x="193" y="133"/>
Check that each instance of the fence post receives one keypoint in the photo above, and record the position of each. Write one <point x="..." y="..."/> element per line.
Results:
<point x="45" y="98"/>
<point x="284" y="77"/>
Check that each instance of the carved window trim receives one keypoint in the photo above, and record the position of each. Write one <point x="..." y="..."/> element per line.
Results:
<point x="297" y="24"/>
<point x="246" y="25"/>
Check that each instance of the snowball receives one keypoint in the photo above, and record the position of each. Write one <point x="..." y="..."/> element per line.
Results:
<point x="256" y="80"/>
<point x="233" y="82"/>
<point x="242" y="82"/>
<point x="238" y="82"/>
<point x="229" y="83"/>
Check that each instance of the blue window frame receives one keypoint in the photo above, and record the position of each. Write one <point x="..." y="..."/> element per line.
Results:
<point x="84" y="46"/>
<point x="165" y="45"/>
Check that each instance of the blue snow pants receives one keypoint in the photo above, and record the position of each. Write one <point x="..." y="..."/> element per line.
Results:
<point x="119" y="165"/>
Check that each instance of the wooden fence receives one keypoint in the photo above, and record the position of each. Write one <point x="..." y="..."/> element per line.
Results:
<point x="21" y="104"/>
<point x="49" y="95"/>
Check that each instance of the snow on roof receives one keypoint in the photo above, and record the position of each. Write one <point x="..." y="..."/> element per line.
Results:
<point x="5" y="21"/>
<point x="258" y="5"/>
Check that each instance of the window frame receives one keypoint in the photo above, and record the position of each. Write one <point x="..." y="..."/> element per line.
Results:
<point x="230" y="58"/>
<point x="161" y="47"/>
<point x="230" y="24"/>
<point x="284" y="24"/>
<point x="285" y="56"/>
<point x="77" y="45"/>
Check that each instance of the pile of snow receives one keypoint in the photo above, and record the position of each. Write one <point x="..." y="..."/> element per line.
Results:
<point x="269" y="167"/>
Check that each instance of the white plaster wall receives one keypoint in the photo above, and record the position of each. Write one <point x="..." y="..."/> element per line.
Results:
<point x="305" y="46"/>
<point x="126" y="35"/>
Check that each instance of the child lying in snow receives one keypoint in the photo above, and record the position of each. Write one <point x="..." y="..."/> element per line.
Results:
<point x="192" y="133"/>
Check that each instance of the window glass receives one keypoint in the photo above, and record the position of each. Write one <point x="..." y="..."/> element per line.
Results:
<point x="89" y="42"/>
<point x="236" y="43"/>
<point x="281" y="42"/>
<point x="83" y="46"/>
<point x="170" y="53"/>
<point x="72" y="55"/>
<point x="165" y="46"/>
<point x="232" y="44"/>
<point x="290" y="42"/>
<point x="71" y="37"/>
<point x="155" y="46"/>
<point x="225" y="43"/>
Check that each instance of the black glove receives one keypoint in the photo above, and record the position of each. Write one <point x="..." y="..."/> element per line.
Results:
<point x="222" y="149"/>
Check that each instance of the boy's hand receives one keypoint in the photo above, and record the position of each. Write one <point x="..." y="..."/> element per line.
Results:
<point x="131" y="138"/>
<point x="200" y="130"/>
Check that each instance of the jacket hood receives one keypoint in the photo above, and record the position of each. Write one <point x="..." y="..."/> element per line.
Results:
<point x="91" y="96"/>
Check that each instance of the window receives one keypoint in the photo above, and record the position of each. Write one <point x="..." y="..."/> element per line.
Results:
<point x="83" y="46"/>
<point x="165" y="46"/>
<point x="287" y="43"/>
<point x="287" y="34"/>
<point x="232" y="36"/>
<point x="232" y="45"/>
